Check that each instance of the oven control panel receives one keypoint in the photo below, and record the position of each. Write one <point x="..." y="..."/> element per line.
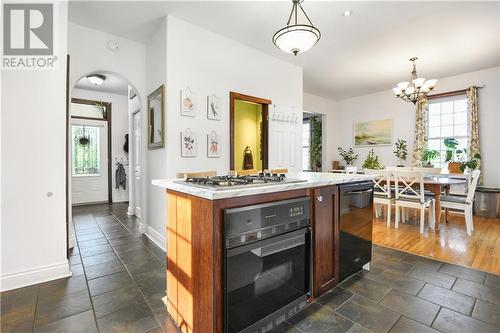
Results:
<point x="296" y="211"/>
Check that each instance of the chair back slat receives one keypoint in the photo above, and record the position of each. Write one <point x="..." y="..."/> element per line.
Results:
<point x="474" y="178"/>
<point x="406" y="181"/>
<point x="382" y="183"/>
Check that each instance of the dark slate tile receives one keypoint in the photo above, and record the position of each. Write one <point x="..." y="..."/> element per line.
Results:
<point x="92" y="251"/>
<point x="286" y="327"/>
<point x="406" y="325"/>
<point x="117" y="299"/>
<point x="91" y="243"/>
<point x="75" y="259"/>
<point x="423" y="263"/>
<point x="447" y="298"/>
<point x="463" y="272"/>
<point x="335" y="298"/>
<point x="110" y="282"/>
<point x="56" y="289"/>
<point x="492" y="280"/>
<point x="54" y="309"/>
<point x="449" y="321"/>
<point x="487" y="312"/>
<point x="387" y="252"/>
<point x="80" y="323"/>
<point x="99" y="259"/>
<point x="366" y="287"/>
<point x="478" y="290"/>
<point x="127" y="247"/>
<point x="76" y="270"/>
<point x="317" y="319"/>
<point x="87" y="237"/>
<point x="358" y="329"/>
<point x="88" y="231"/>
<point x="411" y="306"/>
<point x="102" y="213"/>
<point x="431" y="276"/>
<point x="391" y="264"/>
<point x="368" y="314"/>
<point x="117" y="234"/>
<point x="136" y="255"/>
<point x="156" y="329"/>
<point x="166" y="322"/>
<point x="123" y="240"/>
<point x="85" y="225"/>
<point x="129" y="319"/>
<point x="400" y="282"/>
<point x="158" y="274"/>
<point x="143" y="266"/>
<point x="103" y="269"/>
<point x="18" y="309"/>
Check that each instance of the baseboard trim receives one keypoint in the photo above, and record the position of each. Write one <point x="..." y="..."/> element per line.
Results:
<point x="34" y="276"/>
<point x="156" y="237"/>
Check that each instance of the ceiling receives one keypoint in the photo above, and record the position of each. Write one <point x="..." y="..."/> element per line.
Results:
<point x="113" y="84"/>
<point x="360" y="54"/>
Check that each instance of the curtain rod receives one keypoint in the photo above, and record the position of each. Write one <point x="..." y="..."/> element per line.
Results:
<point x="453" y="93"/>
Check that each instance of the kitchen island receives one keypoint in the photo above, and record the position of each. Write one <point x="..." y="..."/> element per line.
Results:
<point x="199" y="250"/>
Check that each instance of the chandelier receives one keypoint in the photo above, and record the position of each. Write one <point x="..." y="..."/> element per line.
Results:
<point x="417" y="89"/>
<point x="296" y="36"/>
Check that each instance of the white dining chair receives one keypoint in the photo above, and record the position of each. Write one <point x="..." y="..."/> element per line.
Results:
<point x="407" y="196"/>
<point x="381" y="191"/>
<point x="464" y="203"/>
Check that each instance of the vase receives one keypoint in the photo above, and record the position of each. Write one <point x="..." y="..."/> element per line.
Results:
<point x="454" y="167"/>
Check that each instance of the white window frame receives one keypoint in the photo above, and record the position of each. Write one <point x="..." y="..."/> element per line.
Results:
<point x="441" y="138"/>
<point x="308" y="146"/>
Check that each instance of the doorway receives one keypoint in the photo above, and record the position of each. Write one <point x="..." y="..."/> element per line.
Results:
<point x="90" y="151"/>
<point x="312" y="142"/>
<point x="137" y="163"/>
<point x="249" y="126"/>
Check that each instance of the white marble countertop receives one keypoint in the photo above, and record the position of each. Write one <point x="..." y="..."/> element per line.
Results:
<point x="309" y="179"/>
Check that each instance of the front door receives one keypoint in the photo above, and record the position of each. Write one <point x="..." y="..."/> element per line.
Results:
<point x="137" y="165"/>
<point x="89" y="161"/>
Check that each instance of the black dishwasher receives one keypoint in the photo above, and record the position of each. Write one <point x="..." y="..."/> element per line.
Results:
<point x="355" y="230"/>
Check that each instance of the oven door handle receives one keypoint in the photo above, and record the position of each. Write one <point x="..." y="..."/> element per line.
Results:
<point x="266" y="242"/>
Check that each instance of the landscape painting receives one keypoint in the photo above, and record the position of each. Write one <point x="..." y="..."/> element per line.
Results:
<point x="372" y="133"/>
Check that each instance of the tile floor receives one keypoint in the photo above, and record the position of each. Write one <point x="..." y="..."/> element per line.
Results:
<point x="119" y="280"/>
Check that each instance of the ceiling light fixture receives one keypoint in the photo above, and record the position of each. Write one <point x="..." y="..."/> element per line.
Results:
<point x="416" y="89"/>
<point x="347" y="13"/>
<point x="96" y="79"/>
<point x="297" y="36"/>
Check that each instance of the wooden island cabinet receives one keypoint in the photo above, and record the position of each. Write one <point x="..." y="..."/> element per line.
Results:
<point x="195" y="252"/>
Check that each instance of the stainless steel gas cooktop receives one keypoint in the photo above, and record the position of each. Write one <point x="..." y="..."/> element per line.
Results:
<point x="234" y="182"/>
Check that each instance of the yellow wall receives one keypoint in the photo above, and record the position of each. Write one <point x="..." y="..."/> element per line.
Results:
<point x="247" y="118"/>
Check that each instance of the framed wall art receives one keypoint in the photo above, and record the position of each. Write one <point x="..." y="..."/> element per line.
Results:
<point x="213" y="107"/>
<point x="188" y="143"/>
<point x="373" y="133"/>
<point x="213" y="144"/>
<point x="188" y="103"/>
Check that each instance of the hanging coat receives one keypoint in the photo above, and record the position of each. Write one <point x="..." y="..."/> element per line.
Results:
<point x="247" y="159"/>
<point x="120" y="177"/>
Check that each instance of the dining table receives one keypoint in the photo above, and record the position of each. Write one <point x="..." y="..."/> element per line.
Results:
<point x="438" y="184"/>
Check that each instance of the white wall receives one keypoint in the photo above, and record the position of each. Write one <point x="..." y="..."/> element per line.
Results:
<point x="331" y="125"/>
<point x="33" y="170"/>
<point x="119" y="127"/>
<point x="384" y="105"/>
<point x="209" y="63"/>
<point x="156" y="74"/>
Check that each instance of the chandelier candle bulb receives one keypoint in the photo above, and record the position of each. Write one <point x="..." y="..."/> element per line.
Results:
<point x="415" y="91"/>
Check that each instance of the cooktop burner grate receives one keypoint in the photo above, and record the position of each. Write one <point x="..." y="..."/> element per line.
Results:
<point x="261" y="178"/>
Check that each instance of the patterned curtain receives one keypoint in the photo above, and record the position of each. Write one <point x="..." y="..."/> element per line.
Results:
<point x="473" y="110"/>
<point x="420" y="143"/>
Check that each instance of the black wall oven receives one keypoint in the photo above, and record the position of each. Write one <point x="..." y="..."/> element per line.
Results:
<point x="267" y="264"/>
<point x="355" y="230"/>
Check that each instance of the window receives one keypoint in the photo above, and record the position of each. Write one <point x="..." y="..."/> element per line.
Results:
<point x="447" y="117"/>
<point x="82" y="108"/>
<point x="306" y="145"/>
<point x="85" y="146"/>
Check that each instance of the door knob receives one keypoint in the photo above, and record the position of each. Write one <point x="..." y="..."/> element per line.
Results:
<point x="320" y="198"/>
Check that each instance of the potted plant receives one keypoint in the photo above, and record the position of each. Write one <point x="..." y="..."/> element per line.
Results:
<point x="401" y="151"/>
<point x="471" y="164"/>
<point x="348" y="156"/>
<point x="454" y="155"/>
<point x="428" y="155"/>
<point x="372" y="162"/>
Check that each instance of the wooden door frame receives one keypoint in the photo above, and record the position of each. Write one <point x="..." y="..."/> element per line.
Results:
<point x="108" y="120"/>
<point x="265" y="125"/>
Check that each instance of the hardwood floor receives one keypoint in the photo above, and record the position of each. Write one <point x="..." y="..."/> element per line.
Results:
<point x="451" y="243"/>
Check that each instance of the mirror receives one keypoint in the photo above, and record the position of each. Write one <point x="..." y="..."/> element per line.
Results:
<point x="248" y="116"/>
<point x="155" y="118"/>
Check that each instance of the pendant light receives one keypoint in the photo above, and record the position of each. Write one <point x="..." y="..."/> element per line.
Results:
<point x="298" y="35"/>
<point x="96" y="79"/>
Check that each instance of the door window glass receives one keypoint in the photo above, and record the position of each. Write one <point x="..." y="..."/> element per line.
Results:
<point x="85" y="147"/>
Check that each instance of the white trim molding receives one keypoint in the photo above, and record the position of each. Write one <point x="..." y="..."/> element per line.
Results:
<point x="156" y="237"/>
<point x="34" y="276"/>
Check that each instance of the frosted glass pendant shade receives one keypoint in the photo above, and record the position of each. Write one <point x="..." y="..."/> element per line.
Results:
<point x="296" y="38"/>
